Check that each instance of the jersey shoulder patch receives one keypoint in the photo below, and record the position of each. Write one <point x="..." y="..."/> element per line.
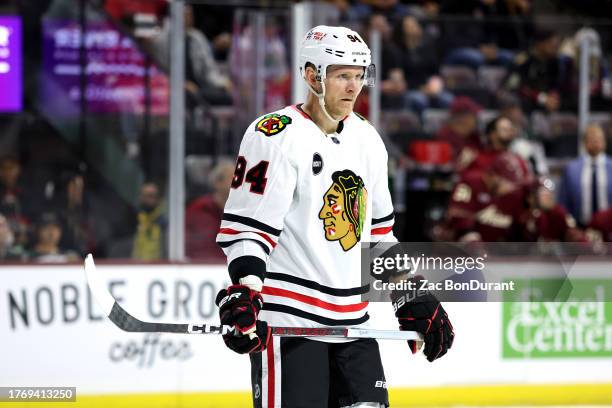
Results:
<point x="272" y="124"/>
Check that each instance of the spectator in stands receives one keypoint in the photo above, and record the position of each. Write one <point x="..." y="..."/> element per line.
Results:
<point x="47" y="246"/>
<point x="203" y="215"/>
<point x="512" y="25"/>
<point x="500" y="133"/>
<point x="8" y="250"/>
<point x="338" y="11"/>
<point x="276" y="65"/>
<point x="68" y="202"/>
<point x="485" y="206"/>
<point x="456" y="34"/>
<point x="537" y="77"/>
<point x="461" y="129"/>
<point x="393" y="84"/>
<point x="487" y="53"/>
<point x="276" y="72"/>
<point x="419" y="61"/>
<point x="427" y="12"/>
<point x="216" y="22"/>
<point x="204" y="78"/>
<point x="10" y="192"/>
<point x="524" y="144"/>
<point x="9" y="174"/>
<point x="142" y="16"/>
<point x="481" y="45"/>
<point x="586" y="184"/>
<point x="150" y="239"/>
<point x="600" y="227"/>
<point x="13" y="203"/>
<point x="600" y="86"/>
<point x="499" y="28"/>
<point x="394" y="10"/>
<point x="545" y="219"/>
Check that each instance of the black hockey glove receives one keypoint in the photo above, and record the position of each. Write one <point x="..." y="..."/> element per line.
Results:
<point x="239" y="307"/>
<point x="420" y="311"/>
<point x="253" y="342"/>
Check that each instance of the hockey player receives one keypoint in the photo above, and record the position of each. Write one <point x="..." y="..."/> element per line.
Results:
<point x="310" y="183"/>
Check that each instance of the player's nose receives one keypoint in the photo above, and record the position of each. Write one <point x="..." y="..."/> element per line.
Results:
<point x="352" y="85"/>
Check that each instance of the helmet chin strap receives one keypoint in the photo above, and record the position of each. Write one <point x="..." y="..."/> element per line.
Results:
<point x="321" y="98"/>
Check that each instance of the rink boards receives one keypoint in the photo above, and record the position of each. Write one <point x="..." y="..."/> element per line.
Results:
<point x="53" y="334"/>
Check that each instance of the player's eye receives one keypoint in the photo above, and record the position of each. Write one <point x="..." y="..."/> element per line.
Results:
<point x="331" y="201"/>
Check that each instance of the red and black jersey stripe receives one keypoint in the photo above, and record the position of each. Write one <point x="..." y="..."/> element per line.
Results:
<point x="274" y="307"/>
<point x="317" y="286"/>
<point x="225" y="244"/>
<point x="389" y="217"/>
<point x="383" y="225"/>
<point x="235" y="228"/>
<point x="311" y="300"/>
<point x="251" y="222"/>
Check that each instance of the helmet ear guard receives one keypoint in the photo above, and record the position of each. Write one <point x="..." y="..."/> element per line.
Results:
<point x="370" y="76"/>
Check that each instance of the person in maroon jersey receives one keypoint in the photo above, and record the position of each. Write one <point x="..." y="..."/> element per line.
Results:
<point x="462" y="127"/>
<point x="600" y="227"/>
<point x="545" y="219"/>
<point x="500" y="133"/>
<point x="486" y="205"/>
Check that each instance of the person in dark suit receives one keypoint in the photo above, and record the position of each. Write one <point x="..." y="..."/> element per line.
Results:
<point x="586" y="184"/>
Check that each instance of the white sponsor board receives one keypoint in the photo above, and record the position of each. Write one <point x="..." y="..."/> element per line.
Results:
<point x="53" y="334"/>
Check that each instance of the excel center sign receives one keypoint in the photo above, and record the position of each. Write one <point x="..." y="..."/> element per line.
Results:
<point x="580" y="326"/>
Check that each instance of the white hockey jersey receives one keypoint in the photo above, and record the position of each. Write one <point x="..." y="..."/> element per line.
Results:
<point x="303" y="201"/>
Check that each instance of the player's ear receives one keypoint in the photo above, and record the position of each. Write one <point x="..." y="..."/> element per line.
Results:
<point x="311" y="77"/>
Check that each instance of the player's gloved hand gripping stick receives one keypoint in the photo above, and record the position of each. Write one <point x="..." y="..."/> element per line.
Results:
<point x="420" y="311"/>
<point x="238" y="307"/>
<point x="127" y="322"/>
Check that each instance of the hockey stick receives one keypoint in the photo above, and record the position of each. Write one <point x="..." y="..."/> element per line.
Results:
<point x="126" y="322"/>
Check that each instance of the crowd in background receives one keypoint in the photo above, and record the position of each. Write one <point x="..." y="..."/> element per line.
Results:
<point x="479" y="93"/>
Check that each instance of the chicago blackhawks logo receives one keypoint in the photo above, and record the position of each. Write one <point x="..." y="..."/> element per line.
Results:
<point x="344" y="209"/>
<point x="272" y="124"/>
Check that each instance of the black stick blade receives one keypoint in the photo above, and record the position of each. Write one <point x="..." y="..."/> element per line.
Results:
<point x="129" y="323"/>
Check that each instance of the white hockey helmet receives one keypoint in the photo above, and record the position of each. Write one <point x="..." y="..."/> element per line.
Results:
<point x="324" y="46"/>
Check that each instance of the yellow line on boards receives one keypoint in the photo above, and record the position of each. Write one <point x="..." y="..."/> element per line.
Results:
<point x="502" y="395"/>
<point x="151" y="400"/>
<point x="483" y="395"/>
